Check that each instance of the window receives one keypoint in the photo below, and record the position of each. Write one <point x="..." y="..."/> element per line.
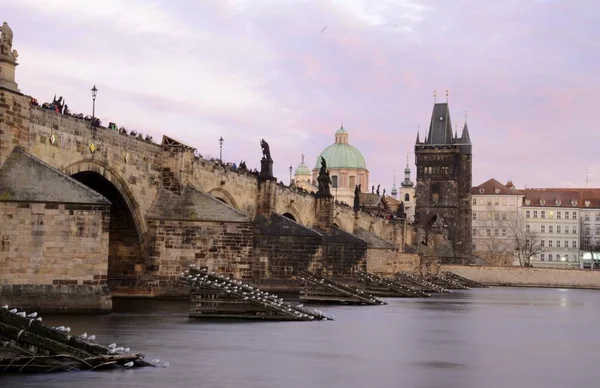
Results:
<point x="587" y="231"/>
<point x="535" y="214"/>
<point x="567" y="256"/>
<point x="496" y="232"/>
<point x="574" y="244"/>
<point x="528" y="228"/>
<point x="503" y="232"/>
<point x="558" y="229"/>
<point x="352" y="181"/>
<point x="566" y="229"/>
<point x="488" y="232"/>
<point x="503" y="201"/>
<point x="549" y="243"/>
<point x="574" y="229"/>
<point x="542" y="257"/>
<point x="489" y="202"/>
<point x="558" y="243"/>
<point x="574" y="215"/>
<point x="496" y="202"/>
<point x="527" y="213"/>
<point x="566" y="215"/>
<point x="550" y="214"/>
<point x="542" y="243"/>
<point x="597" y="230"/>
<point x="489" y="216"/>
<point x="474" y="215"/>
<point x="334" y="181"/>
<point x="597" y="216"/>
<point x="558" y="215"/>
<point x="542" y="228"/>
<point x="497" y="216"/>
<point x="543" y="214"/>
<point x="549" y="256"/>
<point x="504" y="216"/>
<point x="474" y="201"/>
<point x="406" y="197"/>
<point x="586" y="217"/>
<point x="474" y="232"/>
<point x="550" y="229"/>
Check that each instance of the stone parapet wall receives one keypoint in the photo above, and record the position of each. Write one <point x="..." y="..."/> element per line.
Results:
<point x="528" y="277"/>
<point x="73" y="299"/>
<point x="45" y="244"/>
<point x="386" y="262"/>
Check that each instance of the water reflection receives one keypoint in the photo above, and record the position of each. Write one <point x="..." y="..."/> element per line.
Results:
<point x="496" y="337"/>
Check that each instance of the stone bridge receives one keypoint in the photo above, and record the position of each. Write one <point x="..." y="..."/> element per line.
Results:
<point x="136" y="175"/>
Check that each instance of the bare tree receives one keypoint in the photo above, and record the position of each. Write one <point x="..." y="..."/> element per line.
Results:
<point x="525" y="244"/>
<point x="590" y="244"/>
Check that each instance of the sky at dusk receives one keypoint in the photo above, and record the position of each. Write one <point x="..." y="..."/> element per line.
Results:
<point x="290" y="71"/>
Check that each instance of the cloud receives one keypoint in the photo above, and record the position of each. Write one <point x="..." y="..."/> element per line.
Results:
<point x="524" y="70"/>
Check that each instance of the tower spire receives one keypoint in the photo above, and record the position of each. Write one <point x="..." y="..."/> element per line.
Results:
<point x="302" y="156"/>
<point x="446" y="96"/>
<point x="434" y="96"/>
<point x="407" y="182"/>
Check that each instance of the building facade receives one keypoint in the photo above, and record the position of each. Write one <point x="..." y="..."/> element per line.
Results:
<point x="443" y="191"/>
<point x="496" y="213"/>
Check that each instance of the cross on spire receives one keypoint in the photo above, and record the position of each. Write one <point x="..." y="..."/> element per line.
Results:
<point x="302" y="158"/>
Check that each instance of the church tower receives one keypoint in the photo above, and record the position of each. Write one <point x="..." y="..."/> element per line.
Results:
<point x="443" y="191"/>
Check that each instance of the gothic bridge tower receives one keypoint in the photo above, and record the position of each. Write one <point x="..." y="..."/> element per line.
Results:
<point x="443" y="192"/>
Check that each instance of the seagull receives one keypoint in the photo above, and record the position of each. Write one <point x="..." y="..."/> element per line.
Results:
<point x="126" y="350"/>
<point x="83" y="336"/>
<point x="91" y="338"/>
<point x="128" y="364"/>
<point x="112" y="346"/>
<point x="13" y="311"/>
<point x="5" y="307"/>
<point x="39" y="319"/>
<point x="155" y="361"/>
<point x="22" y="314"/>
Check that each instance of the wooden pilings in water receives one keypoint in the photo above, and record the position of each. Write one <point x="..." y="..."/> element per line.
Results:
<point x="420" y="283"/>
<point x="448" y="283"/>
<point x="317" y="289"/>
<point x="27" y="345"/>
<point x="218" y="297"/>
<point x="379" y="285"/>
<point x="463" y="280"/>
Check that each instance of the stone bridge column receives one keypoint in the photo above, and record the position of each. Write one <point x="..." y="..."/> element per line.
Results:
<point x="267" y="190"/>
<point x="324" y="212"/>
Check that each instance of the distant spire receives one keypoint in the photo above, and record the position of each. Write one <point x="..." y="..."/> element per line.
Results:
<point x="446" y="96"/>
<point x="465" y="138"/>
<point x="407" y="182"/>
<point x="586" y="177"/>
<point x="302" y="158"/>
<point x="434" y="96"/>
<point x="455" y="131"/>
<point x="418" y="130"/>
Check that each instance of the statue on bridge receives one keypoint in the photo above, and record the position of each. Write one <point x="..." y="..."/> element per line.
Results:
<point x="265" y="150"/>
<point x="377" y="192"/>
<point x="357" y="198"/>
<point x="6" y="40"/>
<point x="324" y="180"/>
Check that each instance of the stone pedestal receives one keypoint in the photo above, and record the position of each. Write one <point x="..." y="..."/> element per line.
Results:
<point x="7" y="74"/>
<point x="266" y="170"/>
<point x="324" y="212"/>
<point x="266" y="198"/>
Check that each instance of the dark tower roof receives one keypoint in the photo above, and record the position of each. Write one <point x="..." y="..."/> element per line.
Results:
<point x="440" y="127"/>
<point x="465" y="138"/>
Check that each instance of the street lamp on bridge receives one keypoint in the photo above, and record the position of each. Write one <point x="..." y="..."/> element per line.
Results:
<point x="221" y="150"/>
<point x="94" y="94"/>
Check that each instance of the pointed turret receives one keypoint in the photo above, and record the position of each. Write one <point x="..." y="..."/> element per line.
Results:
<point x="418" y="140"/>
<point x="407" y="182"/>
<point x="465" y="138"/>
<point x="440" y="127"/>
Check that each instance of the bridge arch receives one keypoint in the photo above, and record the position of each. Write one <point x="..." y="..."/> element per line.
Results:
<point x="224" y="196"/>
<point x="292" y="213"/>
<point x="127" y="229"/>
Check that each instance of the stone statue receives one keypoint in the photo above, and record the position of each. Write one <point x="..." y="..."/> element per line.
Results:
<point x="401" y="207"/>
<point x="324" y="180"/>
<point x="377" y="192"/>
<point x="357" y="198"/>
<point x="372" y="189"/>
<point x="6" y="38"/>
<point x="265" y="149"/>
<point x="384" y="193"/>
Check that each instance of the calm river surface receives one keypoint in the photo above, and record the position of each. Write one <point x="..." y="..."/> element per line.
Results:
<point x="482" y="338"/>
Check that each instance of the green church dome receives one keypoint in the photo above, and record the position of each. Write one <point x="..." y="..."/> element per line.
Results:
<point x="341" y="154"/>
<point x="302" y="170"/>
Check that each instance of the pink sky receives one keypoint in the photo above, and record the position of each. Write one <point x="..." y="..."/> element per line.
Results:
<point x="291" y="71"/>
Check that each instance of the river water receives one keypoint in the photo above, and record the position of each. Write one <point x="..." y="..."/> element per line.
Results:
<point x="482" y="338"/>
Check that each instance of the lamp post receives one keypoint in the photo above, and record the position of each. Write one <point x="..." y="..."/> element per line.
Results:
<point x="291" y="175"/>
<point x="94" y="94"/>
<point x="221" y="150"/>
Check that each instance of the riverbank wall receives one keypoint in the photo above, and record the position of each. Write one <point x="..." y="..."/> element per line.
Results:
<point x="528" y="277"/>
